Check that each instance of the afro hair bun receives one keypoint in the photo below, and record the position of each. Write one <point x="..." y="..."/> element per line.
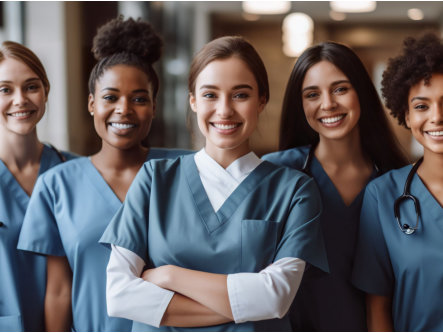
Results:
<point x="127" y="36"/>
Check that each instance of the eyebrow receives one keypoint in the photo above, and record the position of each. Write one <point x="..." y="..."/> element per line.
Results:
<point x="26" y="81"/>
<point x="134" y="91"/>
<point x="332" y="84"/>
<point x="240" y="86"/>
<point x="419" y="98"/>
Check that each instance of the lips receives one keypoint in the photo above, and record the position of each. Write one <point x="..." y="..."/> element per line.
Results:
<point x="121" y="126"/>
<point x="226" y="126"/>
<point x="332" y="120"/>
<point x="21" y="114"/>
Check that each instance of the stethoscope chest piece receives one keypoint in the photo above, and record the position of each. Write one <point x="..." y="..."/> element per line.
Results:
<point x="406" y="228"/>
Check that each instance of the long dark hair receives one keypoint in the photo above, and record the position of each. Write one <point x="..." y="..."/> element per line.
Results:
<point x="376" y="136"/>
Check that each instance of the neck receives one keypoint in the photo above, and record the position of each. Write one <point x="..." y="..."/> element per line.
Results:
<point x="225" y="157"/>
<point x="432" y="167"/>
<point x="120" y="159"/>
<point x="20" y="150"/>
<point x="341" y="151"/>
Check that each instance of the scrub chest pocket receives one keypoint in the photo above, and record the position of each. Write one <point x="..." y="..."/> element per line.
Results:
<point x="258" y="244"/>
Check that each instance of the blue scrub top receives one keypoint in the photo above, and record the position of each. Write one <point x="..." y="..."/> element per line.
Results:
<point x="408" y="268"/>
<point x="167" y="218"/>
<point x="328" y="302"/>
<point x="22" y="275"/>
<point x="69" y="209"/>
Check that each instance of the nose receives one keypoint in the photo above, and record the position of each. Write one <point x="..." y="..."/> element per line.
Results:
<point x="328" y="102"/>
<point x="123" y="106"/>
<point x="437" y="113"/>
<point x="20" y="98"/>
<point x="224" y="108"/>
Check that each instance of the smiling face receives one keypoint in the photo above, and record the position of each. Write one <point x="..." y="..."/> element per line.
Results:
<point x="227" y="104"/>
<point x="330" y="102"/>
<point x="123" y="106"/>
<point x="22" y="97"/>
<point x="425" y="114"/>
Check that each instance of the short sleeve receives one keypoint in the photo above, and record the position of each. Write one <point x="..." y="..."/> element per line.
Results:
<point x="39" y="232"/>
<point x="372" y="271"/>
<point x="302" y="236"/>
<point x="129" y="227"/>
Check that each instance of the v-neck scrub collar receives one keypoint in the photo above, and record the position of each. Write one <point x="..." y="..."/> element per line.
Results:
<point x="220" y="183"/>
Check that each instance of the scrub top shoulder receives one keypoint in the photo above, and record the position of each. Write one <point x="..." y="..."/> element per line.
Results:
<point x="23" y="275"/>
<point x="271" y="215"/>
<point x="328" y="301"/>
<point x="69" y="209"/>
<point x="405" y="267"/>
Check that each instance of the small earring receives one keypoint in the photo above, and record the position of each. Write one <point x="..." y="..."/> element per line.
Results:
<point x="91" y="113"/>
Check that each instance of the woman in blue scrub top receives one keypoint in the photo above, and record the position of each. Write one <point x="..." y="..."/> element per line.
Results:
<point x="72" y="205"/>
<point x="334" y="128"/>
<point x="24" y="89"/>
<point x="399" y="263"/>
<point x="225" y="236"/>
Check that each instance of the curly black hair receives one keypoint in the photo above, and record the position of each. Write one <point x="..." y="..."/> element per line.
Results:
<point x="126" y="42"/>
<point x="420" y="59"/>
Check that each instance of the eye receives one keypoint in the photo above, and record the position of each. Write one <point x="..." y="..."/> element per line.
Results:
<point x="421" y="107"/>
<point x="110" y="98"/>
<point x="311" y="95"/>
<point x="33" y="87"/>
<point x="241" y="95"/>
<point x="340" y="90"/>
<point x="140" y="100"/>
<point x="5" y="90"/>
<point x="209" y="95"/>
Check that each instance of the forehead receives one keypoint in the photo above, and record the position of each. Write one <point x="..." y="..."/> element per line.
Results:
<point x="122" y="75"/>
<point x="224" y="71"/>
<point x="323" y="72"/>
<point x="434" y="86"/>
<point x="12" y="69"/>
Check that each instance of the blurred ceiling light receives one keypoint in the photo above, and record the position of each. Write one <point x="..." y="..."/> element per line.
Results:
<point x="336" y="16"/>
<point x="250" y="17"/>
<point x="415" y="14"/>
<point x="266" y="7"/>
<point x="353" y="6"/>
<point x="298" y="34"/>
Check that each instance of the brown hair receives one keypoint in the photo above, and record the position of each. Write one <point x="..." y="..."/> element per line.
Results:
<point x="224" y="48"/>
<point x="21" y="53"/>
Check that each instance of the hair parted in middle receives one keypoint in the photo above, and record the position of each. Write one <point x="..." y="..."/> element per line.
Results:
<point x="227" y="47"/>
<point x="126" y="42"/>
<point x="377" y="138"/>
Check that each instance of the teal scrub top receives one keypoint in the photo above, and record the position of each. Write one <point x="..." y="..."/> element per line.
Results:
<point x="22" y="275"/>
<point x="408" y="268"/>
<point x="69" y="209"/>
<point x="328" y="301"/>
<point x="167" y="218"/>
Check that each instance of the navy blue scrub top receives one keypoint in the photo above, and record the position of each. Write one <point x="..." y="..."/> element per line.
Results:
<point x="70" y="207"/>
<point x="22" y="274"/>
<point x="328" y="302"/>
<point x="408" y="268"/>
<point x="167" y="218"/>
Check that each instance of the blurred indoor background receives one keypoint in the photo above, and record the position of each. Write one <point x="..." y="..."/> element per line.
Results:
<point x="61" y="33"/>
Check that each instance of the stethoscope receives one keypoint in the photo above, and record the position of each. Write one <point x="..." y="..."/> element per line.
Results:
<point x="406" y="228"/>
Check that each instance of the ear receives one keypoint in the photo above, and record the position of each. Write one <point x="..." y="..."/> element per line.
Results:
<point x="262" y="104"/>
<point x="192" y="101"/>
<point x="407" y="119"/>
<point x="91" y="103"/>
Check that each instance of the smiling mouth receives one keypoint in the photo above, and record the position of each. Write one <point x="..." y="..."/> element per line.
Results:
<point x="435" y="133"/>
<point x="226" y="126"/>
<point x="332" y="120"/>
<point x="20" y="114"/>
<point x="122" y="126"/>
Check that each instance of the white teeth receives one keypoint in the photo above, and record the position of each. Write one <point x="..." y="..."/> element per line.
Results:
<point x="20" y="114"/>
<point x="225" y="126"/>
<point x="122" y="126"/>
<point x="331" y="120"/>
<point x="436" y="133"/>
